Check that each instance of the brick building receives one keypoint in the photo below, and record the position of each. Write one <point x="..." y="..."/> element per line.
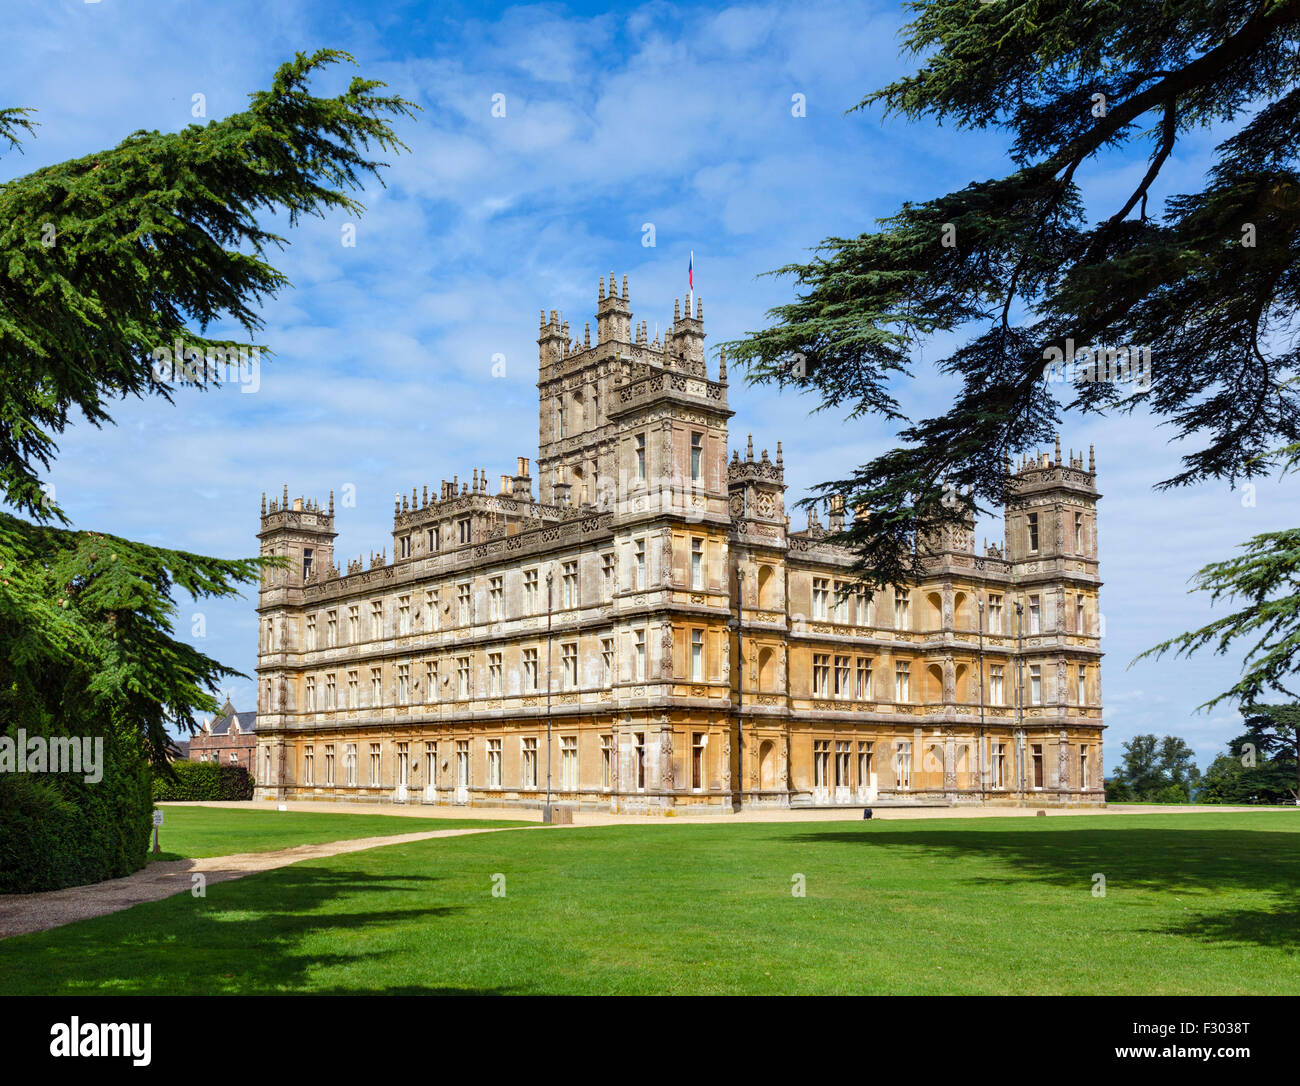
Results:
<point x="229" y="738"/>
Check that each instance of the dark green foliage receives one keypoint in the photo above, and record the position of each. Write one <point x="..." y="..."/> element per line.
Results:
<point x="1209" y="281"/>
<point x="152" y="241"/>
<point x="58" y="830"/>
<point x="1154" y="771"/>
<point x="1263" y="764"/>
<point x="202" y="781"/>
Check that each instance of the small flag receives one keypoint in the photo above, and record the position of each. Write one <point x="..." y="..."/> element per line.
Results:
<point x="690" y="272"/>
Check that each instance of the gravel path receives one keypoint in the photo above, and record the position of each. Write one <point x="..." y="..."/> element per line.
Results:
<point x="23" y="913"/>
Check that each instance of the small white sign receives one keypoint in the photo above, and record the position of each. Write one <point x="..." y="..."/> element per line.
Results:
<point x="157" y="818"/>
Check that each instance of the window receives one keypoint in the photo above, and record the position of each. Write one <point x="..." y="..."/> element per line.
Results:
<point x="1083" y="685"/>
<point x="403" y="764"/>
<point x="697" y="656"/>
<point x="863" y="606"/>
<point x="841" y="763"/>
<point x="311" y="633"/>
<point x="864" y="765"/>
<point x="1078" y="533"/>
<point x="842" y="689"/>
<point x="995" y="614"/>
<point x="433" y="540"/>
<point x="311" y="694"/>
<point x="903" y="765"/>
<point x="840" y="602"/>
<point x="639" y="563"/>
<point x="374" y="765"/>
<point x="997" y="695"/>
<point x="465" y="530"/>
<point x="308" y="765"/>
<point x="350" y="765"/>
<point x="494" y="674"/>
<point x="640" y="457"/>
<point x="569" y="664"/>
<point x="569" y="762"/>
<point x="821" y="762"/>
<point x="269" y="639"/>
<point x="354" y="698"/>
<point x="1037" y="749"/>
<point x="376" y="620"/>
<point x="1033" y="531"/>
<point x="330" y="697"/>
<point x="820" y="593"/>
<point x="569" y="583"/>
<point x="638" y="748"/>
<point x="462" y="763"/>
<point x="607" y="762"/>
<point x="697" y="760"/>
<point x="902" y="611"/>
<point x="430" y="680"/>
<point x="903" y="681"/>
<point x="462" y="677"/>
<point x="403" y="684"/>
<point x="495" y="595"/>
<point x="638" y="656"/>
<point x="559" y="417"/>
<point x="306" y="563"/>
<point x="530" y="591"/>
<point x="697" y="455"/>
<point x="1079" y="620"/>
<point x="376" y="687"/>
<point x="329" y="765"/>
<point x="1083" y="767"/>
<point x="494" y="763"/>
<point x="821" y="674"/>
<point x="403" y="614"/>
<point x="607" y="661"/>
<point x="354" y="624"/>
<point x="863" y="688"/>
<point x="404" y="546"/>
<point x="998" y="766"/>
<point x="528" y="752"/>
<point x="430" y="610"/>
<point x="607" y="575"/>
<point x="697" y="563"/>
<point x="1035" y="684"/>
<point x="331" y="629"/>
<point x="530" y="669"/>
<point x="463" y="604"/>
<point x="431" y="765"/>
<point x="1035" y="615"/>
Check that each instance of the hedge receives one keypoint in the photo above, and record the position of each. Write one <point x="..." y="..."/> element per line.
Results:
<point x="202" y="781"/>
<point x="57" y="830"/>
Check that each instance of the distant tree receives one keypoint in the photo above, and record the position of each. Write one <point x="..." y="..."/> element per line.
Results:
<point x="1263" y="764"/>
<point x="1154" y="771"/>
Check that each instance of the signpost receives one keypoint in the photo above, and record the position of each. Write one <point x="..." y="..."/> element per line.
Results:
<point x="157" y="821"/>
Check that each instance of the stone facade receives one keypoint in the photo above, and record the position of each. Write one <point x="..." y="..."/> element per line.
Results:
<point x="695" y="651"/>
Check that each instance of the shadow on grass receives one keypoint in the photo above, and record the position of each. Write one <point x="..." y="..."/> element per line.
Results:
<point x="1203" y="864"/>
<point x="246" y="936"/>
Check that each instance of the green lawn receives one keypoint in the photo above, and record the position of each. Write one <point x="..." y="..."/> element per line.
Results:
<point x="1194" y="904"/>
<point x="222" y="831"/>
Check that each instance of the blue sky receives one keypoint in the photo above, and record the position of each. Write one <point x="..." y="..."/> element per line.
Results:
<point x="669" y="114"/>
